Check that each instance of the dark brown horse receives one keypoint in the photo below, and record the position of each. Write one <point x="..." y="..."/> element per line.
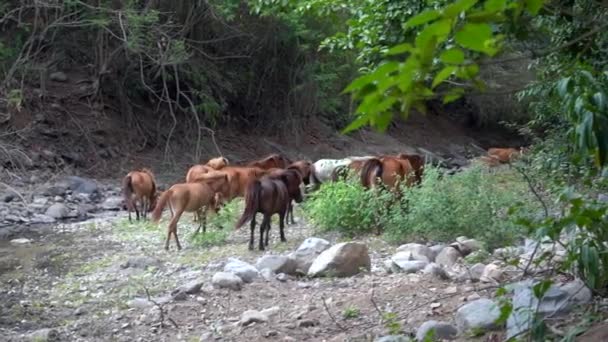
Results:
<point x="292" y="179"/>
<point x="417" y="162"/>
<point x="390" y="170"/>
<point x="271" y="161"/>
<point x="305" y="169"/>
<point x="139" y="186"/>
<point x="267" y="196"/>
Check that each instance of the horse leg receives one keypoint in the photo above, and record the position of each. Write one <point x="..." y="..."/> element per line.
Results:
<point x="265" y="226"/>
<point x="172" y="229"/>
<point x="252" y="233"/>
<point x="136" y="210"/>
<point x="144" y="208"/>
<point x="197" y="217"/>
<point x="282" y="225"/>
<point x="290" y="211"/>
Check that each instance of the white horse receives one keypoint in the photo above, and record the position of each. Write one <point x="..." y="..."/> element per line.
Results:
<point x="322" y="169"/>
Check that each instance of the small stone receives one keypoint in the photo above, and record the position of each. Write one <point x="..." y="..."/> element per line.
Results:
<point x="227" y="280"/>
<point x="435" y="305"/>
<point x="410" y="266"/>
<point x="473" y="297"/>
<point x="492" y="274"/>
<point x="44" y="335"/>
<point x="252" y="316"/>
<point x="306" y="323"/>
<point x="267" y="274"/>
<point x="451" y="290"/>
<point x="282" y="277"/>
<point x="436" y="271"/>
<point x="442" y="331"/>
<point x="271" y="312"/>
<point x="20" y="242"/>
<point x="192" y="287"/>
<point x="79" y="311"/>
<point x="392" y="338"/>
<point x="58" y="211"/>
<point x="271" y="333"/>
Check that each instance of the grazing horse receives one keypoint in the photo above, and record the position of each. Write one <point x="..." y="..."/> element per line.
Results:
<point x="305" y="169"/>
<point x="417" y="162"/>
<point x="267" y="196"/>
<point x="292" y="179"/>
<point x="323" y="169"/>
<point x="218" y="163"/>
<point x="341" y="172"/>
<point x="271" y="161"/>
<point x="239" y="178"/>
<point x="139" y="186"/>
<point x="190" y="197"/>
<point x="390" y="170"/>
<point x="505" y="155"/>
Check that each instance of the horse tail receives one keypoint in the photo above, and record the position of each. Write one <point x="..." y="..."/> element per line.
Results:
<point x="338" y="173"/>
<point x="368" y="167"/>
<point x="127" y="190"/>
<point x="162" y="202"/>
<point x="252" y="201"/>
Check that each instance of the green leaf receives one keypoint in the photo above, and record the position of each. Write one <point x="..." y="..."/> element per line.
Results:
<point x="475" y="36"/>
<point x="422" y="18"/>
<point x="428" y="38"/>
<point x="456" y="8"/>
<point x="358" y="123"/>
<point x="533" y="6"/>
<point x="495" y="5"/>
<point x="453" y="95"/>
<point x="359" y="83"/>
<point x="563" y="86"/>
<point x="452" y="56"/>
<point x="444" y="74"/>
<point x="541" y="288"/>
<point x="399" y="49"/>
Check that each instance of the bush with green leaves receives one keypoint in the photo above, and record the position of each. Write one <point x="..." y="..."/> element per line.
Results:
<point x="219" y="225"/>
<point x="473" y="203"/>
<point x="347" y="207"/>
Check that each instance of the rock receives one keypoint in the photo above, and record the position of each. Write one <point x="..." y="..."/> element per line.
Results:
<point x="559" y="299"/>
<point x="139" y="303"/>
<point x="477" y="315"/>
<point x="451" y="290"/>
<point x="206" y="336"/>
<point x="436" y="249"/>
<point x="442" y="331"/>
<point x="79" y="185"/>
<point x="448" y="257"/>
<point x="436" y="271"/>
<point x="277" y="263"/>
<point x="253" y="316"/>
<point x="112" y="203"/>
<point x="341" y="260"/>
<point x="508" y="252"/>
<point x="473" y="297"/>
<point x="58" y="76"/>
<point x="44" y="335"/>
<point x="416" y="251"/>
<point x="41" y="218"/>
<point x="243" y="270"/>
<point x="307" y="323"/>
<point x="58" y="211"/>
<point x="267" y="274"/>
<point x="79" y="311"/>
<point x="492" y="274"/>
<point x="7" y="197"/>
<point x="282" y="277"/>
<point x="408" y="266"/>
<point x="142" y="262"/>
<point x="308" y="252"/>
<point x="271" y="312"/>
<point x="393" y="338"/>
<point x="475" y="272"/>
<point x="225" y="280"/>
<point x="20" y="242"/>
<point x="192" y="287"/>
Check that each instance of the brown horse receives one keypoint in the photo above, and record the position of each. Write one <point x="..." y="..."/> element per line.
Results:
<point x="139" y="186"/>
<point x="190" y="197"/>
<point x="292" y="179"/>
<point x="271" y="161"/>
<point x="505" y="155"/>
<point x="196" y="171"/>
<point x="267" y="196"/>
<point x="218" y="163"/>
<point x="390" y="170"/>
<point x="341" y="172"/>
<point x="305" y="169"/>
<point x="239" y="178"/>
<point x="417" y="162"/>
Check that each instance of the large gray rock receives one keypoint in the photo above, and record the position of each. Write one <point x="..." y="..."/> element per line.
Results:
<point x="416" y="251"/>
<point x="559" y="299"/>
<point x="192" y="287"/>
<point x="41" y="218"/>
<point x="437" y="271"/>
<point x="408" y="266"/>
<point x="341" y="260"/>
<point x="79" y="185"/>
<point x="112" y="203"/>
<point x="308" y="252"/>
<point x="243" y="270"/>
<point x="225" y="280"/>
<point x="492" y="274"/>
<point x="475" y="272"/>
<point x="58" y="211"/>
<point x="478" y="315"/>
<point x="442" y="331"/>
<point x="448" y="257"/>
<point x="277" y="263"/>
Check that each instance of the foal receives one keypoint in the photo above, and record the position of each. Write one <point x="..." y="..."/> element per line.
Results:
<point x="139" y="186"/>
<point x="267" y="196"/>
<point x="190" y="197"/>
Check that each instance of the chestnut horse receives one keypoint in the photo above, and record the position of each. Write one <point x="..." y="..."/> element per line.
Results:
<point x="271" y="161"/>
<point x="218" y="163"/>
<point x="497" y="156"/>
<point x="139" y="186"/>
<point x="341" y="172"/>
<point x="292" y="179"/>
<point x="305" y="169"/>
<point x="390" y="170"/>
<point x="417" y="162"/>
<point x="239" y="178"/>
<point x="267" y="196"/>
<point x="190" y="197"/>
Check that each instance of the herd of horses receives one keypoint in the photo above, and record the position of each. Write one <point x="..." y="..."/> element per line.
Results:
<point x="269" y="186"/>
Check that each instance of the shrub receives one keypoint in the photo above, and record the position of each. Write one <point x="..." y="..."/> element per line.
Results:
<point x="473" y="203"/>
<point x="218" y="226"/>
<point x="347" y="207"/>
